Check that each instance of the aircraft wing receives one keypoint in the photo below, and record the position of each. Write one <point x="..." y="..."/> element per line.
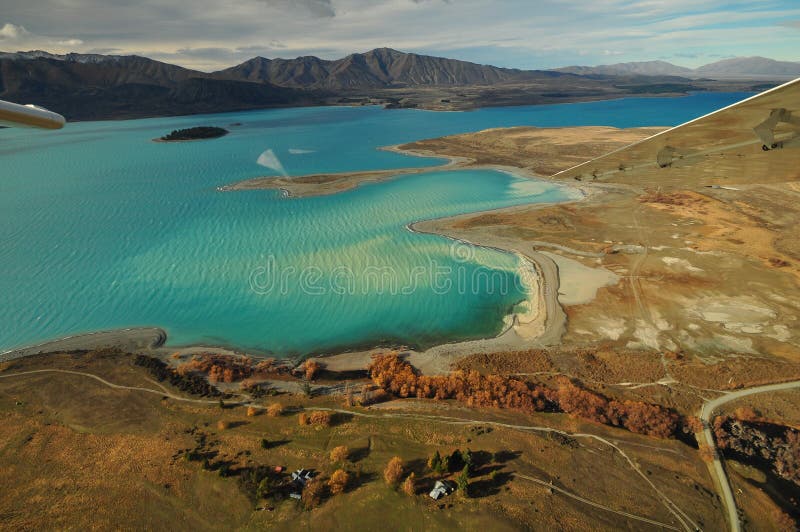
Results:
<point x="756" y="136"/>
<point x="16" y="115"/>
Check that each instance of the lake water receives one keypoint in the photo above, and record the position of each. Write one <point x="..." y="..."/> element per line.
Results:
<point x="101" y="228"/>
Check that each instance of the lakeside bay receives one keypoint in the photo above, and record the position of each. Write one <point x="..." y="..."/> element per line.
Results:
<point x="135" y="233"/>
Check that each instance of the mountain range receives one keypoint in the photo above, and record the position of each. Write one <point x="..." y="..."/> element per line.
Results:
<point x="94" y="86"/>
<point x="381" y="67"/>
<point x="734" y="68"/>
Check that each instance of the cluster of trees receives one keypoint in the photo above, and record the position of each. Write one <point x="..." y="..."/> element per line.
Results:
<point x="218" y="368"/>
<point x="635" y="416"/>
<point x="263" y="482"/>
<point x="257" y="390"/>
<point x="397" y="377"/>
<point x="443" y="465"/>
<point x="192" y="384"/>
<point x="762" y="443"/>
<point x="458" y="460"/>
<point x="317" y="490"/>
<point x="320" y="418"/>
<point x="229" y="368"/>
<point x="440" y="465"/>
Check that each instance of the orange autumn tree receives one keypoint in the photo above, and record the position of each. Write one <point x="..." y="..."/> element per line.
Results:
<point x="218" y="367"/>
<point x="338" y="481"/>
<point x="393" y="471"/>
<point x="311" y="368"/>
<point x="312" y="494"/>
<point x="321" y="418"/>
<point x="339" y="454"/>
<point x="410" y="485"/>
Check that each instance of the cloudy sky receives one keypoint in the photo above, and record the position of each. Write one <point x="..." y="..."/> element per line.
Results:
<point x="212" y="34"/>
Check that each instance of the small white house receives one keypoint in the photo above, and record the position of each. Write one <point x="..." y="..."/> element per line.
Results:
<point x="301" y="476"/>
<point x="442" y="488"/>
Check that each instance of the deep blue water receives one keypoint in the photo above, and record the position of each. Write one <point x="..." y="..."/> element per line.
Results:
<point x="102" y="228"/>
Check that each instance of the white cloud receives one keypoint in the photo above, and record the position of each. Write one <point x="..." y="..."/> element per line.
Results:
<point x="209" y="34"/>
<point x="14" y="37"/>
<point x="12" y="32"/>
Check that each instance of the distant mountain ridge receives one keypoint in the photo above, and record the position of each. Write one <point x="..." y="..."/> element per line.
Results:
<point x="79" y="58"/>
<point x="382" y="67"/>
<point x="95" y="86"/>
<point x="642" y="68"/>
<point x="89" y="86"/>
<point x="753" y="66"/>
<point x="737" y="67"/>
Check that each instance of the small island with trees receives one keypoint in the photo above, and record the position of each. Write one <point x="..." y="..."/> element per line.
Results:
<point x="194" y="133"/>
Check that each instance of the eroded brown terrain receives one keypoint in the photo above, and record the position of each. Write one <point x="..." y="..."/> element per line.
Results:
<point x="710" y="271"/>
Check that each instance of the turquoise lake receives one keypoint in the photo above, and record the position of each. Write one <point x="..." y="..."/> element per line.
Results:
<point x="101" y="228"/>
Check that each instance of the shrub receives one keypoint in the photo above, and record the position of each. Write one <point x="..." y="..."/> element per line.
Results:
<point x="706" y="454"/>
<point x="338" y="481"/>
<point x="745" y="413"/>
<point x="393" y="471"/>
<point x="348" y="400"/>
<point x="339" y="454"/>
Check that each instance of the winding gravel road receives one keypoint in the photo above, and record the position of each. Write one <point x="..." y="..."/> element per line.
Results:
<point x="705" y="416"/>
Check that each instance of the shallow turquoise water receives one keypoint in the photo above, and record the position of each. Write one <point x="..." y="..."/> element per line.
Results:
<point x="101" y="228"/>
